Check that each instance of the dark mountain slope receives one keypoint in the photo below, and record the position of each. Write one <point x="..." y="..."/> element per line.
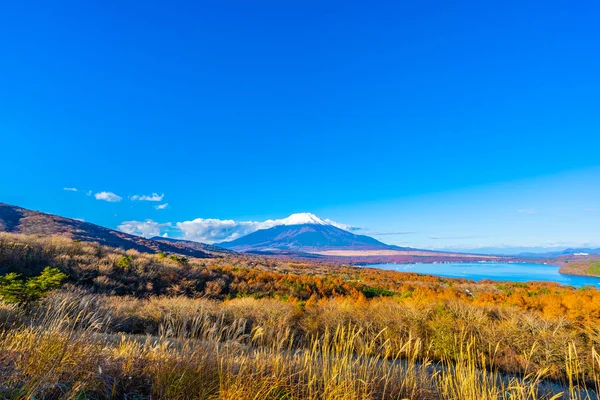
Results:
<point x="305" y="237"/>
<point x="21" y="220"/>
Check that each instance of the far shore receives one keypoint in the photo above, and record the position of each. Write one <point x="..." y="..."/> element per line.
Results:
<point x="581" y="267"/>
<point x="414" y="253"/>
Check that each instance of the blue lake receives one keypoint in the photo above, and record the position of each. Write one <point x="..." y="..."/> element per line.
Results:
<point x="514" y="272"/>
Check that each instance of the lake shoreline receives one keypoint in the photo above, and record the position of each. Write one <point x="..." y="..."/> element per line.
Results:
<point x="564" y="266"/>
<point x="514" y="271"/>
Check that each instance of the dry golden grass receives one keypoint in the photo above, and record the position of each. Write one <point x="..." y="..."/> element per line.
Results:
<point x="148" y="326"/>
<point x="68" y="349"/>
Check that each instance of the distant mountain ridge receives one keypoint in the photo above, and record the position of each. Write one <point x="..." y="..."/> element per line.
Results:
<point x="565" y="252"/>
<point x="531" y="252"/>
<point x="15" y="219"/>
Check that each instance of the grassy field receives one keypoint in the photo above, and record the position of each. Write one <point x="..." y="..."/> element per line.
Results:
<point x="140" y="326"/>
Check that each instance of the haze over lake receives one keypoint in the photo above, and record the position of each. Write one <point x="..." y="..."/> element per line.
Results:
<point x="515" y="272"/>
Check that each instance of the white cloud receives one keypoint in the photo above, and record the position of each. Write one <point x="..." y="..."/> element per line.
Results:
<point x="69" y="189"/>
<point x="153" y="197"/>
<point x="217" y="230"/>
<point x="162" y="206"/>
<point x="210" y="230"/>
<point x="108" y="196"/>
<point x="148" y="228"/>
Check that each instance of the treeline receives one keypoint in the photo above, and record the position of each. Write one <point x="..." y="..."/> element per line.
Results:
<point x="116" y="272"/>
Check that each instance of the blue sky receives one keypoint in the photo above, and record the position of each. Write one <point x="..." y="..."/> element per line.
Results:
<point x="435" y="118"/>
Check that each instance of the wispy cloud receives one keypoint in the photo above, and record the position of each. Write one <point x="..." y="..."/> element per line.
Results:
<point x="152" y="197"/>
<point x="391" y="233"/>
<point x="148" y="228"/>
<point x="589" y="210"/>
<point x="345" y="227"/>
<point x="162" y="206"/>
<point x="108" y="196"/>
<point x="455" y="237"/>
<point x="527" y="211"/>
<point x="70" y="189"/>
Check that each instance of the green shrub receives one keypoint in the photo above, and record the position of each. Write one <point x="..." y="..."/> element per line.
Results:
<point x="180" y="260"/>
<point x="124" y="262"/>
<point x="15" y="290"/>
<point x="371" y="292"/>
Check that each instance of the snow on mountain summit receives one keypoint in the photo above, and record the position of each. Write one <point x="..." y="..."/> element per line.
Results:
<point x="311" y="219"/>
<point x="302" y="219"/>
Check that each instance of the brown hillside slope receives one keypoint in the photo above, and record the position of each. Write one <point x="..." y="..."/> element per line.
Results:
<point x="15" y="219"/>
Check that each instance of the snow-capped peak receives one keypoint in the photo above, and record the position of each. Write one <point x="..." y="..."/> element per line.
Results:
<point x="302" y="219"/>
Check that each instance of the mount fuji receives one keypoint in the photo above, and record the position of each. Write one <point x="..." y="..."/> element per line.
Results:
<point x="305" y="232"/>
